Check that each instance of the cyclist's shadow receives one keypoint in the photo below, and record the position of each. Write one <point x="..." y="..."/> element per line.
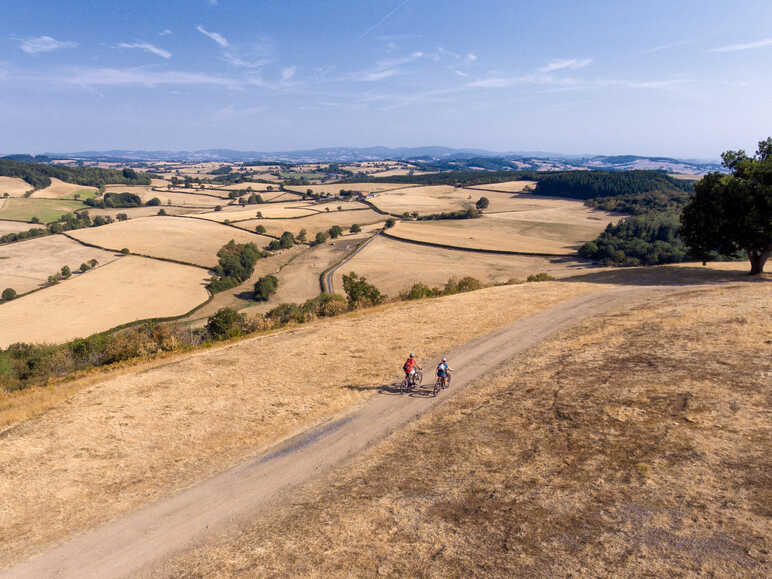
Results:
<point x="394" y="389"/>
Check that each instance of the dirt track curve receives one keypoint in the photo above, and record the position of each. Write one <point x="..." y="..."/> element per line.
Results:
<point x="135" y="543"/>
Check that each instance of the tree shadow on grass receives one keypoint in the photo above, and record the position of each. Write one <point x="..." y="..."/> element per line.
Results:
<point x="671" y="275"/>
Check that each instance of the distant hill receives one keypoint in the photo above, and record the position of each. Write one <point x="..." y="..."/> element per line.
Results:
<point x="442" y="158"/>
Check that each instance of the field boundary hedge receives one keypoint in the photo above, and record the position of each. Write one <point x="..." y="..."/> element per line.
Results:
<point x="471" y="249"/>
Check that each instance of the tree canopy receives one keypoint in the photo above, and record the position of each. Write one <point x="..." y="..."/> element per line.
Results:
<point x="733" y="213"/>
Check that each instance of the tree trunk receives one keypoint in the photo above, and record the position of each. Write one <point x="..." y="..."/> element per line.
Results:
<point x="758" y="258"/>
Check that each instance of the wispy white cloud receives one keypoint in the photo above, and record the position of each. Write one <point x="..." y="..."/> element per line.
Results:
<point x="147" y="47"/>
<point x="388" y="15"/>
<point x="566" y="64"/>
<point x="165" y="32"/>
<point x="218" y="38"/>
<point x="379" y="75"/>
<point x="287" y="73"/>
<point x="393" y="62"/>
<point x="235" y="60"/>
<point x="89" y="77"/>
<point x="746" y="46"/>
<point x="461" y="73"/>
<point x="44" y="44"/>
<point x="662" y="47"/>
<point x="471" y="57"/>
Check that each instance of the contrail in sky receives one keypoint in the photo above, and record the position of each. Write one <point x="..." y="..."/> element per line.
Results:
<point x="382" y="20"/>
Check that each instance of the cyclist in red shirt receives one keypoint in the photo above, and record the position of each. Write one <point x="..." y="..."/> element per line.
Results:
<point x="410" y="366"/>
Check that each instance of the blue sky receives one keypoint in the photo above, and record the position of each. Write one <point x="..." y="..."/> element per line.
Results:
<point x="686" y="78"/>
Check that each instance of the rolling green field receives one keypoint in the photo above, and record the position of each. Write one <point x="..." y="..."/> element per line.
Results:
<point x="46" y="210"/>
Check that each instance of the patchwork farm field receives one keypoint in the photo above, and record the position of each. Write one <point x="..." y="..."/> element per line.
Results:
<point x="315" y="222"/>
<point x="61" y="190"/>
<point x="131" y="288"/>
<point x="190" y="240"/>
<point x="179" y="199"/>
<point x="134" y="212"/>
<point x="46" y="210"/>
<point x="270" y="210"/>
<point x="14" y="186"/>
<point x="492" y="232"/>
<point x="334" y="188"/>
<point x="393" y="266"/>
<point x="26" y="265"/>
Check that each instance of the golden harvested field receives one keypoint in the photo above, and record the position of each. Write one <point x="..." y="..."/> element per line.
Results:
<point x="491" y="232"/>
<point x="393" y="266"/>
<point x="131" y="288"/>
<point x="599" y="453"/>
<point x="507" y="186"/>
<point x="14" y="186"/>
<point x="222" y="195"/>
<point x="270" y="210"/>
<point x="334" y="188"/>
<point x="26" y="265"/>
<point x="257" y="187"/>
<point x="337" y="206"/>
<point x="134" y="212"/>
<point x="131" y="437"/>
<point x="61" y="190"/>
<point x="15" y="226"/>
<point x="315" y="222"/>
<point x="190" y="240"/>
<point x="553" y="210"/>
<point x="442" y="198"/>
<point x="178" y="199"/>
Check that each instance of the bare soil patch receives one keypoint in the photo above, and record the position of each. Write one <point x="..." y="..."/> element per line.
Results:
<point x="131" y="288"/>
<point x="26" y="265"/>
<point x="130" y="439"/>
<point x="189" y="240"/>
<point x="600" y="453"/>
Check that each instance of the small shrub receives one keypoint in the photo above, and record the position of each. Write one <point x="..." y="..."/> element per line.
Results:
<point x="84" y="267"/>
<point x="265" y="287"/>
<point x="162" y="211"/>
<point x="218" y="208"/>
<point x="260" y="229"/>
<point x="540" y="277"/>
<point x="225" y="323"/>
<point x="482" y="203"/>
<point x="125" y="251"/>
<point x="8" y="294"/>
<point x="275" y="245"/>
<point x="286" y="313"/>
<point x="390" y="222"/>
<point x="154" y="202"/>
<point x="335" y="231"/>
<point x="321" y="237"/>
<point x="356" y="228"/>
<point x="66" y="272"/>
<point x="326" y="305"/>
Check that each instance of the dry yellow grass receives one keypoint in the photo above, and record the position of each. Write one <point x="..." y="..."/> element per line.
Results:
<point x="393" y="266"/>
<point x="334" y="188"/>
<point x="14" y="186"/>
<point x="190" y="240"/>
<point x="60" y="190"/>
<point x="26" y="265"/>
<point x="14" y="226"/>
<point x="507" y="186"/>
<point x="492" y="232"/>
<point x="127" y="440"/>
<point x="257" y="187"/>
<point x="551" y="210"/>
<point x="635" y="444"/>
<point x="315" y="222"/>
<point x="131" y="288"/>
<point x="134" y="212"/>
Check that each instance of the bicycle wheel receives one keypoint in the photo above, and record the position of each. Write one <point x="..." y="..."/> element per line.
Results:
<point x="405" y="386"/>
<point x="419" y="377"/>
<point x="447" y="382"/>
<point x="437" y="386"/>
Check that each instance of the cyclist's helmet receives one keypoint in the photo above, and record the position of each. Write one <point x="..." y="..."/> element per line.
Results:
<point x="412" y="355"/>
<point x="444" y="359"/>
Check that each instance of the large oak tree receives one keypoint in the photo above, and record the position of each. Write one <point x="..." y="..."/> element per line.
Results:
<point x="733" y="213"/>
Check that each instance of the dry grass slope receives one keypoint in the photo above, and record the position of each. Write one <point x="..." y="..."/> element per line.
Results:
<point x="633" y="445"/>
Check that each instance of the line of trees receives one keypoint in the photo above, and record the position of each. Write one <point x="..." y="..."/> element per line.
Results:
<point x="39" y="174"/>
